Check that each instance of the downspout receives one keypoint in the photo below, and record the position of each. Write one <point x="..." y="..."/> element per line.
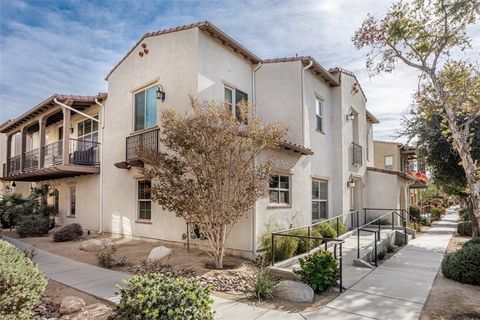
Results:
<point x="254" y="215"/>
<point x="304" y="112"/>
<point x="100" y="230"/>
<point x="102" y="125"/>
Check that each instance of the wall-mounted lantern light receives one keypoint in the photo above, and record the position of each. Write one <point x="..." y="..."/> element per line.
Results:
<point x="351" y="182"/>
<point x="350" y="115"/>
<point x="14" y="184"/>
<point x="160" y="93"/>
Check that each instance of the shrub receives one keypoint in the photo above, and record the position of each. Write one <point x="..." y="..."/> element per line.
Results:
<point x="155" y="296"/>
<point x="68" y="233"/>
<point x="415" y="211"/>
<point x="463" y="265"/>
<point x="304" y="245"/>
<point x="33" y="225"/>
<point x="464" y="214"/>
<point x="473" y="242"/>
<point x="105" y="257"/>
<point x="262" y="285"/>
<point x="21" y="284"/>
<point x="381" y="255"/>
<point x="325" y="230"/>
<point x="414" y="226"/>
<point x="319" y="270"/>
<point x="435" y="214"/>
<point x="341" y="227"/>
<point x="465" y="228"/>
<point x="285" y="247"/>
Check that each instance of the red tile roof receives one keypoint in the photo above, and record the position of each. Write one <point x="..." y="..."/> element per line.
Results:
<point x="296" y="148"/>
<point x="401" y="174"/>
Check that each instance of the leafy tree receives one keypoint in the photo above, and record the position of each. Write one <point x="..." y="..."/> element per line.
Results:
<point x="421" y="34"/>
<point x="209" y="172"/>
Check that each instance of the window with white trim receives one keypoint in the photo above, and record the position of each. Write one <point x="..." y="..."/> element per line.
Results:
<point x="388" y="161"/>
<point x="319" y="115"/>
<point x="72" y="209"/>
<point x="145" y="108"/>
<point x="319" y="199"/>
<point x="234" y="95"/>
<point x="279" y="189"/>
<point x="144" y="199"/>
<point x="88" y="130"/>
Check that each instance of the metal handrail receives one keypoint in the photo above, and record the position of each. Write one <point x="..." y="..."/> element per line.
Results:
<point x="325" y="241"/>
<point x="376" y="238"/>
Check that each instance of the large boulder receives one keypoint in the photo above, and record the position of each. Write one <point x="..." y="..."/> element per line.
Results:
<point x="71" y="304"/>
<point x="159" y="253"/>
<point x="293" y="291"/>
<point x="93" y="245"/>
<point x="96" y="311"/>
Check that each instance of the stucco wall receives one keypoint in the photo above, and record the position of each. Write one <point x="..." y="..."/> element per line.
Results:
<point x="383" y="149"/>
<point x="384" y="191"/>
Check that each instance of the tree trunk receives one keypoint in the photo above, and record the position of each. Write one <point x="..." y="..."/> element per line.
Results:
<point x="460" y="144"/>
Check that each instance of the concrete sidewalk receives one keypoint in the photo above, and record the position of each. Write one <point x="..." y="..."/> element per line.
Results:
<point x="397" y="289"/>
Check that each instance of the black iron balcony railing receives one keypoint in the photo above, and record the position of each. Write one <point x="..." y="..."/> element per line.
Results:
<point x="143" y="141"/>
<point x="356" y="154"/>
<point x="84" y="152"/>
<point x="30" y="159"/>
<point x="14" y="164"/>
<point x="53" y="153"/>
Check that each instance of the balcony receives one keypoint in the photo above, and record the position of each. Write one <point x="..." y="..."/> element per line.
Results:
<point x="83" y="157"/>
<point x="357" y="154"/>
<point x="146" y="140"/>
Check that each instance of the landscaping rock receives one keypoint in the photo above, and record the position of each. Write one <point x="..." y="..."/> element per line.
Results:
<point x="159" y="253"/>
<point x="71" y="304"/>
<point x="95" y="311"/>
<point x="93" y="245"/>
<point x="293" y="291"/>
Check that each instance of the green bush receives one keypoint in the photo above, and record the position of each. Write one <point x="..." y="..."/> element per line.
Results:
<point x="319" y="270"/>
<point x="68" y="233"/>
<point x="473" y="242"/>
<point x="325" y="230"/>
<point x="21" y="284"/>
<point x="285" y="247"/>
<point x="33" y="225"/>
<point x="465" y="228"/>
<point x="156" y="296"/>
<point x="341" y="227"/>
<point x="463" y="265"/>
<point x="414" y="226"/>
<point x="414" y="211"/>
<point x="435" y="214"/>
<point x="262" y="285"/>
<point x="464" y="214"/>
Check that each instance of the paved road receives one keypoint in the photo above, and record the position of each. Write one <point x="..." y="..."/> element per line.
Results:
<point x="397" y="289"/>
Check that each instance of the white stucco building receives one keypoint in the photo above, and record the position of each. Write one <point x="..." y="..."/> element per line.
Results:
<point x="90" y="162"/>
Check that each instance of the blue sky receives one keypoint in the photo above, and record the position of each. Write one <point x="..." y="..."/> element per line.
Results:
<point x="69" y="46"/>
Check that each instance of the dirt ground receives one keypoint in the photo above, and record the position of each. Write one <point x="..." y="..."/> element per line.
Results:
<point x="452" y="300"/>
<point x="134" y="250"/>
<point x="57" y="291"/>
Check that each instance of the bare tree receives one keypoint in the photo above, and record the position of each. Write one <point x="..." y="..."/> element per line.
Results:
<point x="209" y="173"/>
<point x="421" y="34"/>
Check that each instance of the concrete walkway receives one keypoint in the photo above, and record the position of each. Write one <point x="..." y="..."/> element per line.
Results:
<point x="397" y="289"/>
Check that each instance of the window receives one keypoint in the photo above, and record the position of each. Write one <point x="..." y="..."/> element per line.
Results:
<point x="319" y="199"/>
<point x="88" y="130"/>
<point x="388" y="162"/>
<point x="56" y="200"/>
<point x="231" y="95"/>
<point x="279" y="189"/>
<point x="146" y="109"/>
<point x="144" y="199"/>
<point x="73" y="202"/>
<point x="319" y="115"/>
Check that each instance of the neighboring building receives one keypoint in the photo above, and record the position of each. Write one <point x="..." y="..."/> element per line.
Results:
<point x="93" y="166"/>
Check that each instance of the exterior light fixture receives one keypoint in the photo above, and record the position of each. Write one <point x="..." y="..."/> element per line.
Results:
<point x="350" y="115"/>
<point x="351" y="182"/>
<point x="14" y="184"/>
<point x="160" y="93"/>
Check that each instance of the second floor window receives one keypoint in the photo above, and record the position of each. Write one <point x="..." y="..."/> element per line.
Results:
<point x="279" y="189"/>
<point x="232" y="97"/>
<point x="319" y="115"/>
<point x="88" y="130"/>
<point x="146" y="109"/>
<point x="388" y="162"/>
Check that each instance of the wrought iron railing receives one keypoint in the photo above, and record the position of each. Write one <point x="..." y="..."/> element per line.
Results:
<point x="356" y="154"/>
<point x="53" y="153"/>
<point x="142" y="141"/>
<point x="30" y="159"/>
<point x="14" y="165"/>
<point x="84" y="152"/>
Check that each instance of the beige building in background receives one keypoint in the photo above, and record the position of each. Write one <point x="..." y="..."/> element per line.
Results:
<point x="84" y="146"/>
